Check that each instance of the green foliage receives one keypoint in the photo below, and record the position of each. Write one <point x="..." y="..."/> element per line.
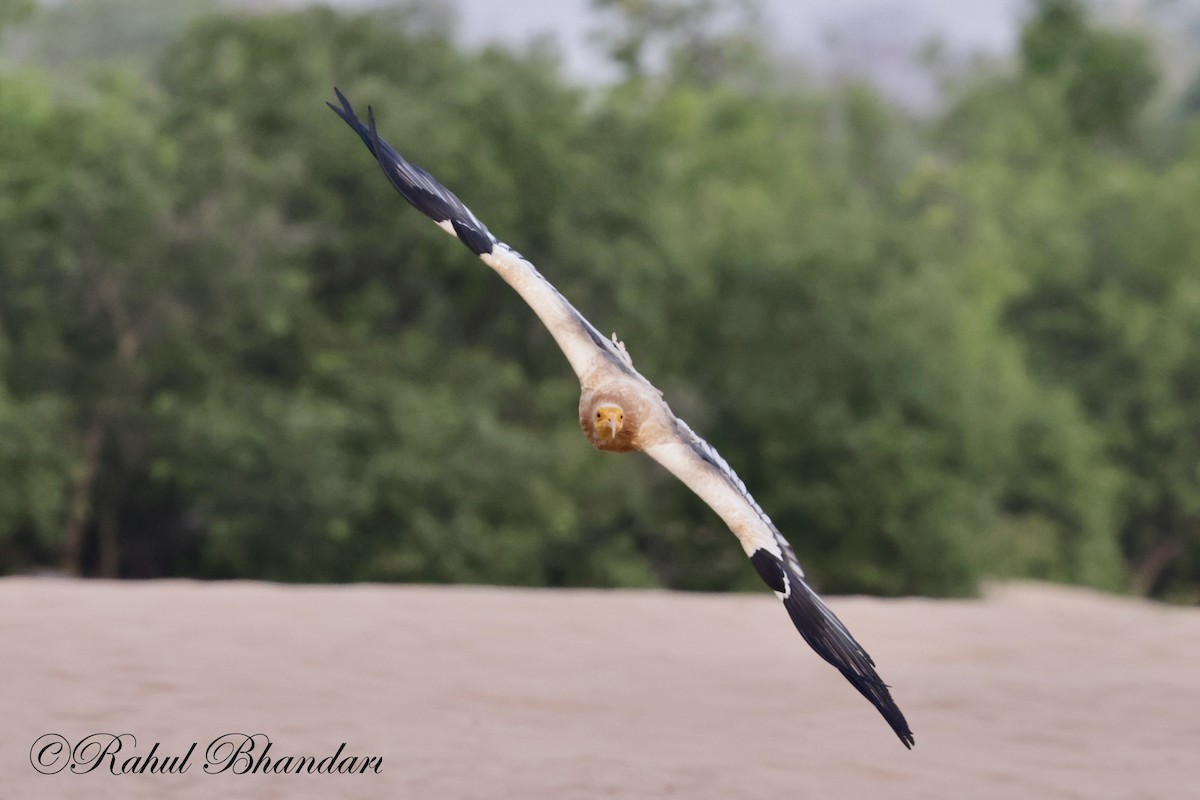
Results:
<point x="1104" y="254"/>
<point x="697" y="41"/>
<point x="934" y="352"/>
<point x="12" y="11"/>
<point x="1105" y="77"/>
<point x="1053" y="35"/>
<point x="67" y="40"/>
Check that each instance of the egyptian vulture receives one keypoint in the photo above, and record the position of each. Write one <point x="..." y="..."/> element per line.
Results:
<point x="619" y="411"/>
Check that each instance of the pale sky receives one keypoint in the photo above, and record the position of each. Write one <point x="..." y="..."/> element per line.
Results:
<point x="876" y="38"/>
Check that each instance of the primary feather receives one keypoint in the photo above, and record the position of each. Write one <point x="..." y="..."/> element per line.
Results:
<point x="613" y="392"/>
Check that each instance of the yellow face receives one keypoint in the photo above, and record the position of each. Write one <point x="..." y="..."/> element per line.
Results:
<point x="608" y="421"/>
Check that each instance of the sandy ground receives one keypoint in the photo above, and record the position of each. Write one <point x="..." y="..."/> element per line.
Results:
<point x="1033" y="692"/>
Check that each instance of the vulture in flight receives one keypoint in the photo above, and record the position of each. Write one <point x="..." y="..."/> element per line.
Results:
<point x="619" y="411"/>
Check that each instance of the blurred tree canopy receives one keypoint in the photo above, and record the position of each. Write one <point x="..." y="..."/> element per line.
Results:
<point x="935" y="349"/>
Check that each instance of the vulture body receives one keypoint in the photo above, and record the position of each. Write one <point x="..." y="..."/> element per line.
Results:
<point x="620" y="411"/>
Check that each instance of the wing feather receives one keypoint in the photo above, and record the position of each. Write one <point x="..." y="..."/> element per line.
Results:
<point x="579" y="340"/>
<point x="701" y="468"/>
<point x="685" y="454"/>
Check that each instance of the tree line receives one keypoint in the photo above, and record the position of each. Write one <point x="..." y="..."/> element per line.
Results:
<point x="937" y="349"/>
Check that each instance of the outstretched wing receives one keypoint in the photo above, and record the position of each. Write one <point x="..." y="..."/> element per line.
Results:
<point x="701" y="468"/>
<point x="688" y="456"/>
<point x="579" y="340"/>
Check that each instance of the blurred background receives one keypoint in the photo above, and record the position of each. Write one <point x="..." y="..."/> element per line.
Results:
<point x="927" y="275"/>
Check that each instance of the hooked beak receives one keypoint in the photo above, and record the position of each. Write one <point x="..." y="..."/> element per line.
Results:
<point x="608" y="422"/>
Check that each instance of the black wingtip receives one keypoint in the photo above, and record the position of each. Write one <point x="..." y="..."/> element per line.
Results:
<point x="826" y="634"/>
<point x="346" y="112"/>
<point x="831" y="639"/>
<point x="416" y="185"/>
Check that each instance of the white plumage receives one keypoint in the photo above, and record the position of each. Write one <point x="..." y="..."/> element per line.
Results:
<point x="621" y="411"/>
